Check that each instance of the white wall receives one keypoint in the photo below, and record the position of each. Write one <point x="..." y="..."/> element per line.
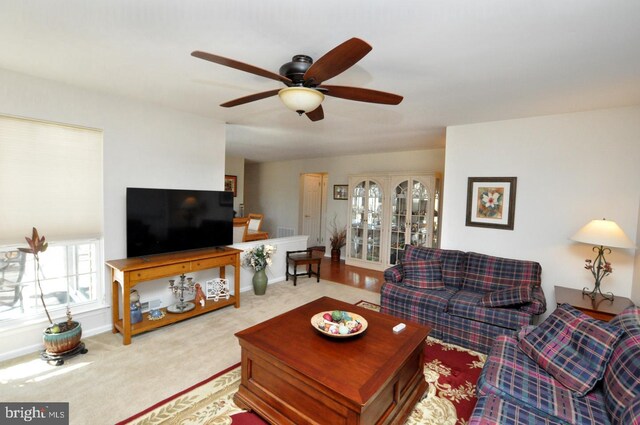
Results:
<point x="635" y="291"/>
<point x="571" y="168"/>
<point x="273" y="188"/>
<point x="144" y="146"/>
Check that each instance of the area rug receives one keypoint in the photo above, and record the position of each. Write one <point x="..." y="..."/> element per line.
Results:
<point x="451" y="371"/>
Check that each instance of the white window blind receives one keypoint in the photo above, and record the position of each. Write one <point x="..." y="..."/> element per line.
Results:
<point x="50" y="178"/>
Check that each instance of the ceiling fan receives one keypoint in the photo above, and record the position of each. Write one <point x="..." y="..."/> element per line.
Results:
<point x="304" y="79"/>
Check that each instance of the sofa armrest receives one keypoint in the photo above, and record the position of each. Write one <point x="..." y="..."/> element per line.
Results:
<point x="394" y="274"/>
<point x="539" y="303"/>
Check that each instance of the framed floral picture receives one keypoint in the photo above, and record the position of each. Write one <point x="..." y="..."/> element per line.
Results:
<point x="491" y="202"/>
<point x="231" y="184"/>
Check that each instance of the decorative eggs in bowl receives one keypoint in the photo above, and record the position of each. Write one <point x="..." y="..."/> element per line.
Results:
<point x="339" y="324"/>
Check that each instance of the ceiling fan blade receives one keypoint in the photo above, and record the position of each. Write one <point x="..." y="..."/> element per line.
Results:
<point x="220" y="60"/>
<point x="317" y="114"/>
<point x="362" y="95"/>
<point x="337" y="60"/>
<point x="250" y="98"/>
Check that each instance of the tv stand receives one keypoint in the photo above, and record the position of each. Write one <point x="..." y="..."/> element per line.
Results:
<point x="128" y="272"/>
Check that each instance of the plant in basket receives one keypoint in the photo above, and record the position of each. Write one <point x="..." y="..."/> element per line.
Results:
<point x="57" y="337"/>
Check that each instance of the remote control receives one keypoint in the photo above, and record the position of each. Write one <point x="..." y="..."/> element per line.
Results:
<point x="399" y="327"/>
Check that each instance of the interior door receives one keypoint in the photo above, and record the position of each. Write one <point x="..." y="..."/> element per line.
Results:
<point x="312" y="208"/>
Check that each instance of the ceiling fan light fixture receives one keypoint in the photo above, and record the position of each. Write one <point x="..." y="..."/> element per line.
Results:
<point x="301" y="99"/>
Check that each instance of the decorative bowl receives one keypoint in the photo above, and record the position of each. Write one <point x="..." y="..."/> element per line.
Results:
<point x="156" y="314"/>
<point x="355" y="326"/>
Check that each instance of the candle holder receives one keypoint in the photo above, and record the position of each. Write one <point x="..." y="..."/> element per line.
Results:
<point x="185" y="284"/>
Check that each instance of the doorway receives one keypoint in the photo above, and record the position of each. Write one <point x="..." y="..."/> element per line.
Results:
<point x="313" y="207"/>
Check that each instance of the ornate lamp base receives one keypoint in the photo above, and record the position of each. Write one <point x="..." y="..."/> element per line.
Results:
<point x="599" y="268"/>
<point x="596" y="290"/>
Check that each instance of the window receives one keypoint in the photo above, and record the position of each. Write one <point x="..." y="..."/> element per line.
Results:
<point x="69" y="275"/>
<point x="51" y="179"/>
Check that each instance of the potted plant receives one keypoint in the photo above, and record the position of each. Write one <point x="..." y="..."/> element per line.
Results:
<point x="60" y="337"/>
<point x="259" y="258"/>
<point x="338" y="239"/>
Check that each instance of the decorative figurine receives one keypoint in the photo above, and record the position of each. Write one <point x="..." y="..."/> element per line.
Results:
<point x="136" y="313"/>
<point x="200" y="298"/>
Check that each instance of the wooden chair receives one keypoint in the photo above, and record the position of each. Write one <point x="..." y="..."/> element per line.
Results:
<point x="11" y="271"/>
<point x="255" y="222"/>
<point x="254" y="227"/>
<point x="240" y="226"/>
<point x="299" y="258"/>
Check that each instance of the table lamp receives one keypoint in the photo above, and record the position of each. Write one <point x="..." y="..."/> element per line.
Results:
<point x="604" y="234"/>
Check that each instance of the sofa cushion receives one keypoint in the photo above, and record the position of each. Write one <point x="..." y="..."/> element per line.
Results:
<point x="622" y="375"/>
<point x="512" y="375"/>
<point x="572" y="347"/>
<point x="471" y="334"/>
<point x="485" y="273"/>
<point x="467" y="304"/>
<point x="494" y="410"/>
<point x="507" y="297"/>
<point x="424" y="274"/>
<point x="417" y="305"/>
<point x="453" y="262"/>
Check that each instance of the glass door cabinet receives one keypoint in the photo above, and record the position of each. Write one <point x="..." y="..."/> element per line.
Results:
<point x="412" y="215"/>
<point x="366" y="221"/>
<point x="387" y="212"/>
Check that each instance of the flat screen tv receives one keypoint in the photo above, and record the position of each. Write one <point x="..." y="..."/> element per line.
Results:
<point x="170" y="220"/>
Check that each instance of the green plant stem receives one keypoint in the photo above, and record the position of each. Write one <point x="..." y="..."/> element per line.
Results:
<point x="36" y="266"/>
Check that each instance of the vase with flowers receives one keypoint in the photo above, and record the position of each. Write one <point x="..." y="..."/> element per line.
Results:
<point x="58" y="338"/>
<point x="259" y="258"/>
<point x="338" y="239"/>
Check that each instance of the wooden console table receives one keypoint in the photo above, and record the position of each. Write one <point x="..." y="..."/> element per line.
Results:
<point x="127" y="273"/>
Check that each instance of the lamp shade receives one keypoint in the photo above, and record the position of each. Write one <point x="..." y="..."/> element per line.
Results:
<point x="301" y="99"/>
<point x="604" y="233"/>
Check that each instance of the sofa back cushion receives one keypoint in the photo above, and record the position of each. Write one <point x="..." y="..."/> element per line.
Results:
<point x="622" y="375"/>
<point x="453" y="262"/>
<point x="423" y="274"/>
<point x="485" y="273"/>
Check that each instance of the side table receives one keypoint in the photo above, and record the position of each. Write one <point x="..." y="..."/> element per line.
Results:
<point x="598" y="308"/>
<point x="307" y="257"/>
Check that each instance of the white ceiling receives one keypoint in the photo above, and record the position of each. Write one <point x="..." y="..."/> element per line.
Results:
<point x="455" y="62"/>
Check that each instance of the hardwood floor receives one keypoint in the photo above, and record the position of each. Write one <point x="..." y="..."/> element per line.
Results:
<point x="371" y="280"/>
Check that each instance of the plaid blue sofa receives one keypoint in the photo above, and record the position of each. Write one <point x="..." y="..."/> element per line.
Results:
<point x="469" y="299"/>
<point x="515" y="389"/>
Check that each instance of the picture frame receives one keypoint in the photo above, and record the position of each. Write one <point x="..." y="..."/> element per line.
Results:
<point x="231" y="185"/>
<point x="341" y="192"/>
<point x="491" y="202"/>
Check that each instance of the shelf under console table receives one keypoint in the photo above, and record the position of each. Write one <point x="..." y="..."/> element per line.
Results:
<point x="127" y="273"/>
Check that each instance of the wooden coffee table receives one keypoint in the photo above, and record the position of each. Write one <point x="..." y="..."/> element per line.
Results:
<point x="292" y="374"/>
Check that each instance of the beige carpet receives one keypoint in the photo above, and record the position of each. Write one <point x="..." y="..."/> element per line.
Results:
<point x="112" y="381"/>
